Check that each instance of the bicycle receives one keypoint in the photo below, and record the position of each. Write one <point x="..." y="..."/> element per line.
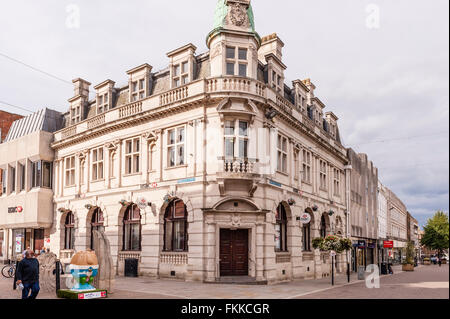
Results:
<point x="9" y="271"/>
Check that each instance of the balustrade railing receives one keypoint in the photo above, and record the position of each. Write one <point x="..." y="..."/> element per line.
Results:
<point x="239" y="166"/>
<point x="174" y="258"/>
<point x="174" y="96"/>
<point x="130" y="109"/>
<point x="96" y="121"/>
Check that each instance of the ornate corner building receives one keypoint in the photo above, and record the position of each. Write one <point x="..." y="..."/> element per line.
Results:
<point x="202" y="170"/>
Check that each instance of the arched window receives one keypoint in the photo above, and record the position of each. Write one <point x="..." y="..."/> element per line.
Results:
<point x="323" y="227"/>
<point x="307" y="234"/>
<point x="132" y="229"/>
<point x="69" y="231"/>
<point x="96" y="224"/>
<point x="281" y="229"/>
<point x="175" y="227"/>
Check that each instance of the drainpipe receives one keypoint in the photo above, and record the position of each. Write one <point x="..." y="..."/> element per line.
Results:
<point x="347" y="169"/>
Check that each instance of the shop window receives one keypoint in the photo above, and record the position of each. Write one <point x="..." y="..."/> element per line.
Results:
<point x="175" y="227"/>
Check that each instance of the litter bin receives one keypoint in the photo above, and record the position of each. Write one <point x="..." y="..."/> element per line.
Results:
<point x="384" y="268"/>
<point x="131" y="267"/>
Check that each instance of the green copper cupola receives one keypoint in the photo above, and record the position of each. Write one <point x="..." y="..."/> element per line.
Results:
<point x="233" y="15"/>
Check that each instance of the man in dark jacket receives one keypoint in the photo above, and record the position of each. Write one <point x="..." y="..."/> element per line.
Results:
<point x="28" y="275"/>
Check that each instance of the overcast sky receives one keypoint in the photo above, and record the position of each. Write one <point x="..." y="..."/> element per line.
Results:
<point x="386" y="81"/>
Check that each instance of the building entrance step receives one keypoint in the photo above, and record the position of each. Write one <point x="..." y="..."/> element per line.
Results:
<point x="239" y="280"/>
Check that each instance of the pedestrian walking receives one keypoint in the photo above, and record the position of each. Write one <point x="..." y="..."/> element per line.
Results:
<point x="28" y="276"/>
<point x="439" y="261"/>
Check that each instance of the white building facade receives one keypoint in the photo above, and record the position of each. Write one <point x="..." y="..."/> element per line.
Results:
<point x="202" y="170"/>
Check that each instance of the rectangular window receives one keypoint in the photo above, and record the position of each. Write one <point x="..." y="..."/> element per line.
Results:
<point x="230" y="68"/>
<point x="47" y="174"/>
<point x="137" y="90"/>
<point x="176" y="146"/>
<point x="36" y="173"/>
<point x="75" y="114"/>
<point x="337" y="182"/>
<point x="97" y="164"/>
<point x="232" y="136"/>
<point x="243" y="54"/>
<point x="70" y="171"/>
<point x="231" y="52"/>
<point x="4" y="174"/>
<point x="13" y="179"/>
<point x="282" y="154"/>
<point x="180" y="74"/>
<point x="306" y="176"/>
<point x="242" y="69"/>
<point x="102" y="102"/>
<point x="323" y="174"/>
<point x="132" y="156"/>
<point x="22" y="177"/>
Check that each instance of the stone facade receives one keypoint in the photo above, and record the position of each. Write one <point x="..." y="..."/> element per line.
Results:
<point x="249" y="144"/>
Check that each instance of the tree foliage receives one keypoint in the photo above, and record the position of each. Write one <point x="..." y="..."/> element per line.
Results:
<point x="436" y="232"/>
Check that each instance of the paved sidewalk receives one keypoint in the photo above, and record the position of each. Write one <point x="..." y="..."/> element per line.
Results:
<point x="147" y="288"/>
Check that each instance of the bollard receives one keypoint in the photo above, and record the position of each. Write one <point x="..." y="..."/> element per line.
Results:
<point x="58" y="275"/>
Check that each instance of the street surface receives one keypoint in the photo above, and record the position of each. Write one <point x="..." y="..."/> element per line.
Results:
<point x="427" y="282"/>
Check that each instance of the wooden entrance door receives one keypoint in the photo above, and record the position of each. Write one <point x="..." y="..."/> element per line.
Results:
<point x="234" y="252"/>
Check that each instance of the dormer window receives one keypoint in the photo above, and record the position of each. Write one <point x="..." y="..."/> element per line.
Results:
<point x="75" y="114"/>
<point x="237" y="61"/>
<point x="137" y="90"/>
<point x="276" y="81"/>
<point x="103" y="103"/>
<point x="310" y="112"/>
<point x="180" y="74"/>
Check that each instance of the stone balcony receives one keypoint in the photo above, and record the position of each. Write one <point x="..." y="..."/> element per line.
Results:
<point x="238" y="173"/>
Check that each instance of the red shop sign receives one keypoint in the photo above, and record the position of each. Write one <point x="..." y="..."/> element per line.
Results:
<point x="388" y="244"/>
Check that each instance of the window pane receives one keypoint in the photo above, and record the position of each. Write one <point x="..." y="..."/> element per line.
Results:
<point x="243" y="128"/>
<point x="94" y="155"/>
<point x="168" y="236"/>
<point x="180" y="135"/>
<point x="171" y="155"/>
<point x="135" y="237"/>
<point x="141" y="84"/>
<point x="229" y="147"/>
<point x="176" y="70"/>
<point x="184" y="67"/>
<point x="243" y="148"/>
<point x="135" y="86"/>
<point x="100" y="99"/>
<point x="171" y="136"/>
<point x="126" y="236"/>
<point x="100" y="170"/>
<point x="278" y="237"/>
<point x="180" y="155"/>
<point x="231" y="52"/>
<point x="242" y="69"/>
<point x="229" y="127"/>
<point x="136" y="146"/>
<point x="47" y="174"/>
<point x="136" y="164"/>
<point x="176" y="82"/>
<point x="178" y="235"/>
<point x="230" y="68"/>
<point x="184" y="80"/>
<point x="242" y="54"/>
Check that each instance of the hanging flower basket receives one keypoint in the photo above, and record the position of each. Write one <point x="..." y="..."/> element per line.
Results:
<point x="331" y="242"/>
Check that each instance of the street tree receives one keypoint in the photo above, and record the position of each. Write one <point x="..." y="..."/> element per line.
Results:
<point x="436" y="233"/>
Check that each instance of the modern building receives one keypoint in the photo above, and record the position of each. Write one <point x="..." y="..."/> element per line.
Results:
<point x="6" y="120"/>
<point x="397" y="226"/>
<point x="363" y="209"/>
<point x="26" y="203"/>
<point x="201" y="171"/>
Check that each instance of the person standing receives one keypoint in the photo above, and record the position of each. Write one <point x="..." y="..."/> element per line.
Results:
<point x="439" y="261"/>
<point x="28" y="275"/>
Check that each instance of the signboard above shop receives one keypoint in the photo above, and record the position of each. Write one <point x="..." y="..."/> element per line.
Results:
<point x="13" y="210"/>
<point x="388" y="244"/>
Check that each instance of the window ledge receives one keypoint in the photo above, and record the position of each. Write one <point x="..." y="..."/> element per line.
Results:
<point x="132" y="174"/>
<point x="98" y="181"/>
<point x="282" y="173"/>
<point x="175" y="167"/>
